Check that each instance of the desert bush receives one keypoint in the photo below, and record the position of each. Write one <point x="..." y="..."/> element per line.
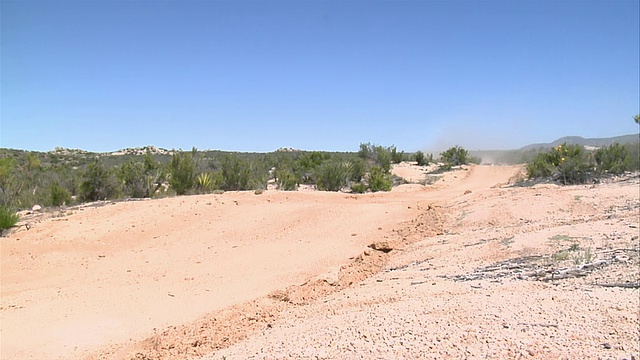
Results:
<point x="306" y="166"/>
<point x="97" y="183"/>
<point x="396" y="157"/>
<point x="612" y="159"/>
<point x="455" y="156"/>
<point x="383" y="157"/>
<point x="58" y="195"/>
<point x="366" y="151"/>
<point x="183" y="172"/>
<point x="574" y="164"/>
<point x="235" y="173"/>
<point x="332" y="176"/>
<point x="570" y="164"/>
<point x="538" y="167"/>
<point x="258" y="175"/>
<point x="422" y="159"/>
<point x="357" y="169"/>
<point x="312" y="160"/>
<point x="286" y="180"/>
<point x="634" y="156"/>
<point x="359" y="187"/>
<point x="21" y="180"/>
<point x="376" y="155"/>
<point x="8" y="184"/>
<point x="8" y="218"/>
<point x="379" y="179"/>
<point x="133" y="179"/>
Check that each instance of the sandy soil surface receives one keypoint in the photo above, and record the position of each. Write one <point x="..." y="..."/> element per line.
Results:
<point x="463" y="268"/>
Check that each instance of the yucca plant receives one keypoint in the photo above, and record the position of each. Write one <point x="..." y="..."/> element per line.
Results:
<point x="204" y="182"/>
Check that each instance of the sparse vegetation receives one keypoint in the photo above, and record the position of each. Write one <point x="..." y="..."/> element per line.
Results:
<point x="396" y="157"/>
<point x="359" y="187"/>
<point x="422" y="159"/>
<point x="613" y="159"/>
<point x="379" y="180"/>
<point x="455" y="156"/>
<point x="332" y="176"/>
<point x="98" y="183"/>
<point x="574" y="253"/>
<point x="58" y="195"/>
<point x="358" y="169"/>
<point x="182" y="171"/>
<point x="66" y="176"/>
<point x="8" y="218"/>
<point x="235" y="174"/>
<point x="286" y="180"/>
<point x="376" y="155"/>
<point x="572" y="164"/>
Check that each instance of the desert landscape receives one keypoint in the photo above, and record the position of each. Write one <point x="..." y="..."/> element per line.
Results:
<point x="217" y="180"/>
<point x="467" y="267"/>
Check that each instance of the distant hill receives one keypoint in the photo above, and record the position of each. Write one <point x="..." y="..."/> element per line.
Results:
<point x="526" y="153"/>
<point x="578" y="140"/>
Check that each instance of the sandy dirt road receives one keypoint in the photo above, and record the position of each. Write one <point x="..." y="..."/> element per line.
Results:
<point x="110" y="275"/>
<point x="541" y="272"/>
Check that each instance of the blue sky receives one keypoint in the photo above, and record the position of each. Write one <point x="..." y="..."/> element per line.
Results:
<point x="259" y="75"/>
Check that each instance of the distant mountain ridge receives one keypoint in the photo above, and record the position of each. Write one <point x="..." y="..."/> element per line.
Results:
<point x="578" y="140"/>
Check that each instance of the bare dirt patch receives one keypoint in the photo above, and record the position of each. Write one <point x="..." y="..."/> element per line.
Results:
<point x="106" y="277"/>
<point x="483" y="289"/>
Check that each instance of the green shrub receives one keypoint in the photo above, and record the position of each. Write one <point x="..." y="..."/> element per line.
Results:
<point x="8" y="218"/>
<point x="574" y="164"/>
<point x="332" y="176"/>
<point x="58" y="195"/>
<point x="366" y="151"/>
<point x="634" y="156"/>
<point x="133" y="179"/>
<point x="539" y="167"/>
<point x="311" y="161"/>
<point x="376" y="155"/>
<point x="613" y="159"/>
<point x="396" y="157"/>
<point x="97" y="183"/>
<point x="455" y="156"/>
<point x="570" y="164"/>
<point x="383" y="157"/>
<point x="286" y="180"/>
<point x="379" y="180"/>
<point x="359" y="187"/>
<point x="235" y="174"/>
<point x="183" y="172"/>
<point x="357" y="170"/>
<point x="258" y="176"/>
<point x="423" y="160"/>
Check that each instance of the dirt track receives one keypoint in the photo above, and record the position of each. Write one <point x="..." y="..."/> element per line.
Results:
<point x="97" y="282"/>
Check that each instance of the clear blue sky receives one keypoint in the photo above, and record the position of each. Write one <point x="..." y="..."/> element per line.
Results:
<point x="259" y="75"/>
